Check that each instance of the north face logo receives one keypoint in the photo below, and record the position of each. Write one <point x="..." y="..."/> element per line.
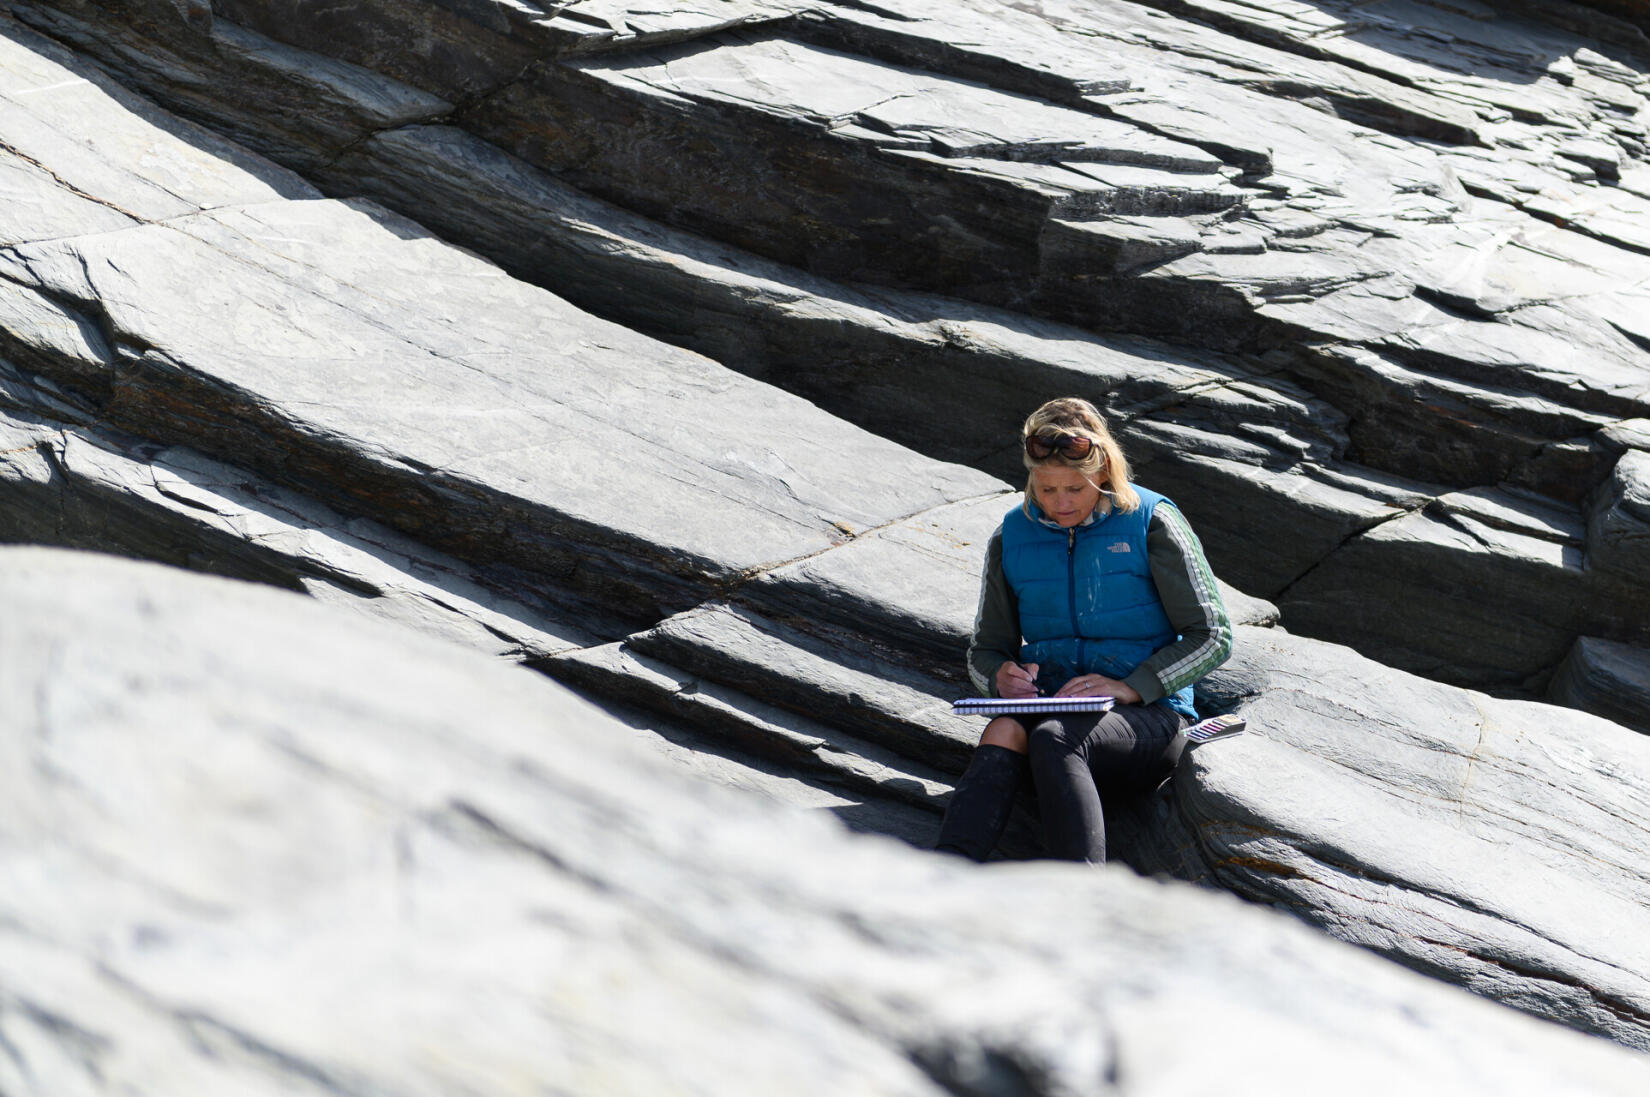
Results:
<point x="1118" y="546"/>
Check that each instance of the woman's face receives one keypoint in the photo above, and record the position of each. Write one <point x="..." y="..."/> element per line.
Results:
<point x="1063" y="493"/>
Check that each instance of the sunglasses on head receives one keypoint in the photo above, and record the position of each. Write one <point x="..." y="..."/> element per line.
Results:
<point x="1073" y="447"/>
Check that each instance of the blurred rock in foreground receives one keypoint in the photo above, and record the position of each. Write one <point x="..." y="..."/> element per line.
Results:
<point x="254" y="846"/>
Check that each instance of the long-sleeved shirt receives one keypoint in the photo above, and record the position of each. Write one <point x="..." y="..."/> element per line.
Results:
<point x="1185" y="584"/>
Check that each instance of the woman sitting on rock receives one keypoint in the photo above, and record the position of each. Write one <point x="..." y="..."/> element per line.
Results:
<point x="1107" y="586"/>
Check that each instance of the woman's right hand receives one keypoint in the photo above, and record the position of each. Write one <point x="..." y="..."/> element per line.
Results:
<point x="1013" y="680"/>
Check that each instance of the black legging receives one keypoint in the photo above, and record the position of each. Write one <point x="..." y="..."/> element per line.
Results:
<point x="1077" y="758"/>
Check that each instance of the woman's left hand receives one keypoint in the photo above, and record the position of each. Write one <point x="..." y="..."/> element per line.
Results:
<point x="1098" y="685"/>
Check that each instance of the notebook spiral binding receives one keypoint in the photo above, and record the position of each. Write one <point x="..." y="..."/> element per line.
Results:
<point x="1019" y="706"/>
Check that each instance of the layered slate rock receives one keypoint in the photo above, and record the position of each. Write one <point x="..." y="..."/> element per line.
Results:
<point x="328" y="363"/>
<point x="1416" y="258"/>
<point x="1605" y="677"/>
<point x="1622" y="17"/>
<point x="65" y="484"/>
<point x="235" y="446"/>
<point x="1498" y="844"/>
<point x="473" y="443"/>
<point x="371" y="411"/>
<point x="392" y="866"/>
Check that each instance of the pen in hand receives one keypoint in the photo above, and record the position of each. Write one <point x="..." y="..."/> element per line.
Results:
<point x="1014" y="680"/>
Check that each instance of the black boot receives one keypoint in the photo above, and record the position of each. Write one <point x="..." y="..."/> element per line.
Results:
<point x="979" y="807"/>
<point x="1171" y="760"/>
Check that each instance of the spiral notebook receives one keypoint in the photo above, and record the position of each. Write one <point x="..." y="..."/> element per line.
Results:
<point x="1021" y="706"/>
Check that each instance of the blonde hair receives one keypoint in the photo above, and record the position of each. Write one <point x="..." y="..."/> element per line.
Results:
<point x="1072" y="415"/>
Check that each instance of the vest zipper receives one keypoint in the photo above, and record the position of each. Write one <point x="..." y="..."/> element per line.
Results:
<point x="1071" y="591"/>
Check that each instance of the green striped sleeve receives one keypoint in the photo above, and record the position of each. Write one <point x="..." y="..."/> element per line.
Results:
<point x="1191" y="598"/>
<point x="996" y="638"/>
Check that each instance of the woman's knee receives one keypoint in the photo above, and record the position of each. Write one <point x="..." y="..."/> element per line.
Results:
<point x="1005" y="731"/>
<point x="1052" y="738"/>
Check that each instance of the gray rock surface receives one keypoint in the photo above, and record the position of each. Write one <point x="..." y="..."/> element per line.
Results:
<point x="446" y="459"/>
<point x="66" y="485"/>
<point x="1619" y="521"/>
<point x="320" y="309"/>
<point x="1607" y="678"/>
<point x="261" y="847"/>
<point x="216" y="366"/>
<point x="1413" y="270"/>
<point x="1496" y="843"/>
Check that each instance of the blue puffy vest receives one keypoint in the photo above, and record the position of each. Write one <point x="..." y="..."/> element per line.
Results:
<point x="1087" y="601"/>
